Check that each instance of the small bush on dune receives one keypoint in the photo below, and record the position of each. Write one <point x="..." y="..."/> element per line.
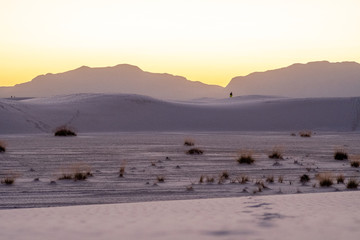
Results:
<point x="270" y="179"/>
<point x="245" y="158"/>
<point x="210" y="179"/>
<point x="352" y="183"/>
<point x="325" y="179"/>
<point x="160" y="178"/>
<point x="340" y="179"/>
<point x="195" y="151"/>
<point x="9" y="178"/>
<point x="2" y="147"/>
<point x="355" y="163"/>
<point x="122" y="169"/>
<point x="64" y="131"/>
<point x="189" y="142"/>
<point x="305" y="133"/>
<point x="340" y="154"/>
<point x="243" y="179"/>
<point x="304" y="178"/>
<point x="277" y="153"/>
<point x="280" y="179"/>
<point x="76" y="172"/>
<point x="225" y="175"/>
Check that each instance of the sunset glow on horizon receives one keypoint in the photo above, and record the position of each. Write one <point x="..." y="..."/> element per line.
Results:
<point x="210" y="41"/>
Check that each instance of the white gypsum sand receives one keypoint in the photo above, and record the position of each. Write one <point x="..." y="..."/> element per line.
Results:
<point x="329" y="216"/>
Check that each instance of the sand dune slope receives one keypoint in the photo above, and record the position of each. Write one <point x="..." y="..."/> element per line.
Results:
<point x="121" y="112"/>
<point x="301" y="216"/>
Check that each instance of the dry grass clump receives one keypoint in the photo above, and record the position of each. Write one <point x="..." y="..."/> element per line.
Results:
<point x="245" y="158"/>
<point x="340" y="154"/>
<point x="270" y="179"/>
<point x="325" y="179"/>
<point x="352" y="184"/>
<point x="189" y="142"/>
<point x="122" y="169"/>
<point x="277" y="153"/>
<point x="210" y="179"/>
<point x="304" y="178"/>
<point x="243" y="179"/>
<point x="160" y="178"/>
<point x="9" y="178"/>
<point x="64" y="131"/>
<point x="225" y="175"/>
<point x="340" y="179"/>
<point x="2" y="146"/>
<point x="355" y="163"/>
<point x="76" y="172"/>
<point x="280" y="179"/>
<point x="305" y="133"/>
<point x="195" y="151"/>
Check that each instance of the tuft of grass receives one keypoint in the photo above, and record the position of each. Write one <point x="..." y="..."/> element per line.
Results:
<point x="305" y="133"/>
<point x="210" y="179"/>
<point x="352" y="184"/>
<point x="189" y="188"/>
<point x="340" y="154"/>
<point x="189" y="142"/>
<point x="66" y="176"/>
<point x="160" y="178"/>
<point x="325" y="179"/>
<point x="195" y="151"/>
<point x="76" y="172"/>
<point x="122" y="169"/>
<point x="243" y="179"/>
<point x="9" y="178"/>
<point x="304" y="178"/>
<point x="80" y="176"/>
<point x="225" y="175"/>
<point x="280" y="179"/>
<point x="277" y="153"/>
<point x="245" y="158"/>
<point x="64" y="131"/>
<point x="2" y="147"/>
<point x="201" y="180"/>
<point x="355" y="163"/>
<point x="270" y="179"/>
<point x="340" y="179"/>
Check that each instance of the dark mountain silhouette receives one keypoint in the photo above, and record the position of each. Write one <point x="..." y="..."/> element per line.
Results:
<point x="314" y="79"/>
<point x="122" y="78"/>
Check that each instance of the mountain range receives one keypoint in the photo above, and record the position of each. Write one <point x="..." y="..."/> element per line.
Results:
<point x="314" y="79"/>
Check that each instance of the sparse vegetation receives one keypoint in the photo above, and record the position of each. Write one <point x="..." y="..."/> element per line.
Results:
<point x="325" y="179"/>
<point x="2" y="147"/>
<point x="305" y="133"/>
<point x="270" y="179"/>
<point x="9" y="178"/>
<point x="340" y="154"/>
<point x="66" y="176"/>
<point x="201" y="180"/>
<point x="195" y="151"/>
<point x="280" y="179"/>
<point x="352" y="184"/>
<point x="65" y="131"/>
<point x="189" y="142"/>
<point x="76" y="172"/>
<point x="355" y="163"/>
<point x="225" y="175"/>
<point x="160" y="178"/>
<point x="189" y="188"/>
<point x="122" y="169"/>
<point x="210" y="179"/>
<point x="277" y="153"/>
<point x="243" y="179"/>
<point x="340" y="179"/>
<point x="304" y="178"/>
<point x="246" y="158"/>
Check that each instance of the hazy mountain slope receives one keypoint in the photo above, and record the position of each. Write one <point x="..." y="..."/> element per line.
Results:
<point x="118" y="79"/>
<point x="315" y="79"/>
<point x="121" y="112"/>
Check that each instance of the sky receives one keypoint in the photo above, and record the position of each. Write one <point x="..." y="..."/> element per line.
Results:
<point x="210" y="41"/>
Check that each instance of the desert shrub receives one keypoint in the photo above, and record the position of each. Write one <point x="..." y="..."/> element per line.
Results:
<point x="201" y="180"/>
<point x="210" y="179"/>
<point x="195" y="151"/>
<point x="221" y="179"/>
<point x="304" y="178"/>
<point x="305" y="133"/>
<point x="340" y="154"/>
<point x="9" y="178"/>
<point x="325" y="179"/>
<point x="243" y="179"/>
<point x="76" y="172"/>
<point x="122" y="169"/>
<point x="340" y="178"/>
<point x="64" y="131"/>
<point x="189" y="142"/>
<point x="352" y="183"/>
<point x="2" y="147"/>
<point x="245" y="158"/>
<point x="80" y="176"/>
<point x="277" y="153"/>
<point x="270" y="179"/>
<point x="260" y="183"/>
<point x="280" y="179"/>
<point x="189" y="188"/>
<point x="225" y="175"/>
<point x="65" y="176"/>
<point x="160" y="178"/>
<point x="355" y="163"/>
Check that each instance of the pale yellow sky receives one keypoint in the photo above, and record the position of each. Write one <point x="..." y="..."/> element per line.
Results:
<point x="203" y="40"/>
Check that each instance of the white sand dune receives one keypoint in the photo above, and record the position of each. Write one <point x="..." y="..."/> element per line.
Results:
<point x="124" y="112"/>
<point x="299" y="216"/>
